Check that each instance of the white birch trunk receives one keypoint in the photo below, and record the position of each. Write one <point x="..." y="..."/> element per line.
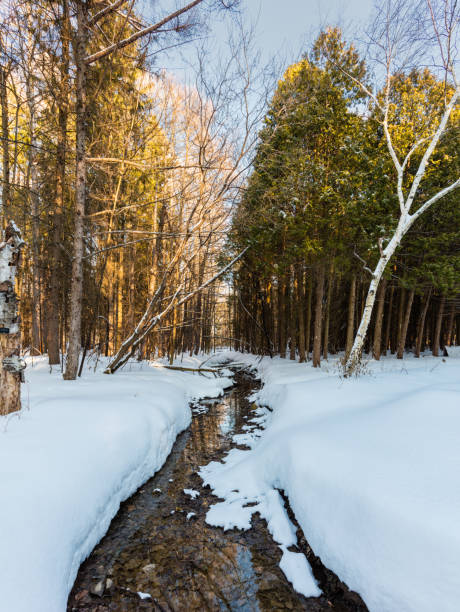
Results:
<point x="355" y="354"/>
<point x="405" y="221"/>
<point x="11" y="365"/>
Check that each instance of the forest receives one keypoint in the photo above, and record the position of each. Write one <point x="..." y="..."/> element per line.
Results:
<point x="296" y="219"/>
<point x="319" y="206"/>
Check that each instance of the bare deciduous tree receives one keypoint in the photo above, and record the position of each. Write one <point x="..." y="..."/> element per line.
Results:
<point x="211" y="162"/>
<point x="402" y="31"/>
<point x="86" y="21"/>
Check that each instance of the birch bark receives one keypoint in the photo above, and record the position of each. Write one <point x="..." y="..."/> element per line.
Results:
<point x="11" y="365"/>
<point x="405" y="222"/>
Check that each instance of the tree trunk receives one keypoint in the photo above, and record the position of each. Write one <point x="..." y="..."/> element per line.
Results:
<point x="450" y="325"/>
<point x="421" y="323"/>
<point x="308" y="317"/>
<point x="5" y="206"/>
<point x="388" y="322"/>
<point x="36" y="344"/>
<point x="300" y="313"/>
<point x="379" y="321"/>
<point x="397" y="336"/>
<point x="437" y="332"/>
<point x="80" y="196"/>
<point x="10" y="337"/>
<point x="56" y="255"/>
<point x="351" y="316"/>
<point x="32" y="184"/>
<point x="148" y="321"/>
<point x="355" y="353"/>
<point x="318" y="317"/>
<point x="328" y="313"/>
<point x="281" y="317"/>
<point x="405" y="325"/>
<point x="292" y="316"/>
<point x="406" y="220"/>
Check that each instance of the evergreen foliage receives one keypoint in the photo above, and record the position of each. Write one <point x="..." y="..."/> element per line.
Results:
<point x="321" y="201"/>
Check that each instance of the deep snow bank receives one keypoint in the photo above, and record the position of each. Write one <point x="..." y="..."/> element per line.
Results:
<point x="76" y="451"/>
<point x="371" y="467"/>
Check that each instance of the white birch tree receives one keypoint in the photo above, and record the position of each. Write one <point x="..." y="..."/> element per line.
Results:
<point x="402" y="29"/>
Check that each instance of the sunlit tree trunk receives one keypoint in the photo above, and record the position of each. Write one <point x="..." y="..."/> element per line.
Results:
<point x="33" y="186"/>
<point x="5" y="145"/>
<point x="10" y="342"/>
<point x="74" y="346"/>
<point x="57" y="218"/>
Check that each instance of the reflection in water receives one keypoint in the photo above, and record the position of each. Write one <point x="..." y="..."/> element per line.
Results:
<point x="155" y="546"/>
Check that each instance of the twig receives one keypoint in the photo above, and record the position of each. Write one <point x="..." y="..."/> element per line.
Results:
<point x="365" y="266"/>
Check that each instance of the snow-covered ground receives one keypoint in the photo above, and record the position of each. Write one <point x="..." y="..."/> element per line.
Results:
<point x="371" y="467"/>
<point x="67" y="461"/>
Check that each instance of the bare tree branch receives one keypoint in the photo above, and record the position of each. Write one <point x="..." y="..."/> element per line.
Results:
<point x="148" y="30"/>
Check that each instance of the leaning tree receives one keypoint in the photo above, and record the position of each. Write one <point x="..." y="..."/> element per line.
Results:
<point x="403" y="34"/>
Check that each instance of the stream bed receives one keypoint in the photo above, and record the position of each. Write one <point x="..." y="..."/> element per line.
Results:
<point x="159" y="553"/>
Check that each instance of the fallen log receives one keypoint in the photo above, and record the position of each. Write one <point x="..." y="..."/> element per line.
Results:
<point x="184" y="369"/>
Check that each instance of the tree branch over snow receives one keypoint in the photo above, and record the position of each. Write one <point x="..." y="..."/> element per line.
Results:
<point x="147" y="323"/>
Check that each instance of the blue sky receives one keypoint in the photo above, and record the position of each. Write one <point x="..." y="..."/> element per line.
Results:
<point x="283" y="27"/>
<point x="289" y="24"/>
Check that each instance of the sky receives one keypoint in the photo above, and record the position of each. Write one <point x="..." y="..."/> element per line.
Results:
<point x="283" y="28"/>
<point x="298" y="21"/>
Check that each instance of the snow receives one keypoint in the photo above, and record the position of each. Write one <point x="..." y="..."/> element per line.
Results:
<point x="191" y="492"/>
<point x="144" y="595"/>
<point x="73" y="454"/>
<point x="296" y="566"/>
<point x="371" y="467"/>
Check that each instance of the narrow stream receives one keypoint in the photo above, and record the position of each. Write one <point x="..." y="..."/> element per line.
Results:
<point x="159" y="553"/>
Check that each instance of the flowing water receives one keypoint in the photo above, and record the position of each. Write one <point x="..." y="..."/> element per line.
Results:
<point x="159" y="553"/>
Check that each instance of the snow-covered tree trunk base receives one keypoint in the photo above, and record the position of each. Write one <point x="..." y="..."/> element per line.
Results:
<point x="11" y="366"/>
<point x="354" y="358"/>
